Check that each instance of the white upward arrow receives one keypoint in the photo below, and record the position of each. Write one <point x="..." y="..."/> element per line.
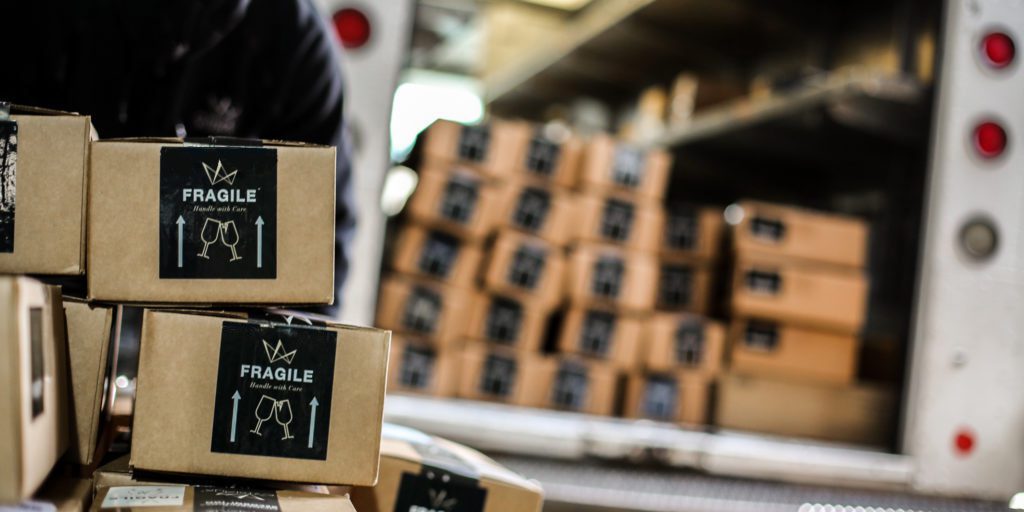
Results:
<point x="181" y="235"/>
<point x="234" y="414"/>
<point x="312" y="421"/>
<point x="259" y="242"/>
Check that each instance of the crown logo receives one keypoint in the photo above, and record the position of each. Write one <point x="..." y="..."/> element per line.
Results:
<point x="440" y="500"/>
<point x="276" y="353"/>
<point x="219" y="174"/>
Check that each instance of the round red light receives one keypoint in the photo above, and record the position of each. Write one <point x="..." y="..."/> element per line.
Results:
<point x="352" y="26"/>
<point x="990" y="139"/>
<point x="963" y="442"/>
<point x="998" y="49"/>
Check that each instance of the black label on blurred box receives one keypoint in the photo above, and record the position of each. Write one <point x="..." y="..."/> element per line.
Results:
<point x="435" y="490"/>
<point x="8" y="182"/>
<point x="274" y="389"/>
<point x="218" y="212"/>
<point x="221" y="499"/>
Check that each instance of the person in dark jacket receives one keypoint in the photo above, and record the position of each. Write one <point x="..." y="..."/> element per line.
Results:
<point x="242" y="68"/>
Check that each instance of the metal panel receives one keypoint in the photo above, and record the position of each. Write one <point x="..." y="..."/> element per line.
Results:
<point x="966" y="375"/>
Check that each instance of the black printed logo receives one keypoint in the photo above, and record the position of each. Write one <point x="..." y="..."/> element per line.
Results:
<point x="498" y="375"/>
<point x="689" y="343"/>
<point x="676" y="286"/>
<point x="596" y="335"/>
<point x="570" y="389"/>
<point x="459" y="199"/>
<point x="768" y="229"/>
<point x="274" y="389"/>
<point x="759" y="281"/>
<point x="761" y="336"/>
<point x="527" y="266"/>
<point x="222" y="499"/>
<point x="8" y="182"/>
<point x="439" y="254"/>
<point x="504" y="318"/>
<point x="532" y="209"/>
<point x="422" y="309"/>
<point x="473" y="142"/>
<point x="628" y="166"/>
<point x="542" y="155"/>
<point x="659" y="399"/>
<point x="608" y="272"/>
<point x="218" y="212"/>
<point x="616" y="220"/>
<point x="681" y="230"/>
<point x="417" y="367"/>
<point x="438" y="491"/>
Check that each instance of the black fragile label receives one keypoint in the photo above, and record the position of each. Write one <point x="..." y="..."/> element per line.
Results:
<point x="219" y="499"/>
<point x="8" y="182"/>
<point x="274" y="388"/>
<point x="218" y="213"/>
<point x="437" y="491"/>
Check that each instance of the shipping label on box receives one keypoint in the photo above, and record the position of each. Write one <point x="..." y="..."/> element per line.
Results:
<point x="489" y="148"/>
<point x="425" y="309"/>
<point x="612" y="167"/>
<point x="44" y="158"/>
<point x="415" y="366"/>
<point x="525" y="267"/>
<point x="678" y="397"/>
<point x="602" y="334"/>
<point x="422" y="473"/>
<point x="501" y="374"/>
<point x="610" y="276"/>
<point x="283" y="402"/>
<point x="507" y="321"/>
<point x="436" y="254"/>
<point x="218" y="212"/>
<point x="198" y="498"/>
<point x="550" y="160"/>
<point x="456" y="201"/>
<point x="582" y="386"/>
<point x="692" y="232"/>
<point x="211" y="223"/>
<point x="684" y="286"/>
<point x="614" y="220"/>
<point x="540" y="211"/>
<point x="684" y="342"/>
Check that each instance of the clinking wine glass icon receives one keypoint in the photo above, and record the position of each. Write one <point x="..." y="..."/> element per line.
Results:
<point x="281" y="410"/>
<point x="223" y="231"/>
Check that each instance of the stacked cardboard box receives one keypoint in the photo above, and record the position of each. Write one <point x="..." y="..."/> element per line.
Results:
<point x="799" y="297"/>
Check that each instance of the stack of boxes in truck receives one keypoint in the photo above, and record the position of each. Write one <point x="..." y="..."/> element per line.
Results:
<point x="799" y="301"/>
<point x="235" y="406"/>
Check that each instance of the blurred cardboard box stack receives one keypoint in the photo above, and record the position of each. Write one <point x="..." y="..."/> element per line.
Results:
<point x="799" y="299"/>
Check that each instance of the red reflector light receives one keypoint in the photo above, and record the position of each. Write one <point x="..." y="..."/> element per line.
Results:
<point x="990" y="139"/>
<point x="352" y="26"/>
<point x="998" y="49"/>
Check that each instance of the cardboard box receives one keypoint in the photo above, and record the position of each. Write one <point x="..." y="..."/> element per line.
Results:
<point x="684" y="285"/>
<point x="33" y="366"/>
<point x="800" y="234"/>
<point x="539" y="211"/>
<point x="547" y="160"/>
<point x="519" y="324"/>
<point x="613" y="167"/>
<point x="91" y="331"/>
<point x="826" y="299"/>
<point x="633" y="224"/>
<point x="607" y="275"/>
<point x="174" y="497"/>
<point x="692" y="232"/>
<point x="579" y="385"/>
<point x="228" y="396"/>
<point x="861" y="414"/>
<point x="211" y="224"/>
<point x="789" y="352"/>
<point x="415" y="469"/>
<point x="490" y="148"/>
<point x="423" y="308"/>
<point x="500" y="374"/>
<point x="677" y="397"/>
<point x="438" y="255"/>
<point x="417" y="367"/>
<point x="58" y="494"/>
<point x="684" y="341"/>
<point x="525" y="267"/>
<point x="602" y="334"/>
<point x="456" y="201"/>
<point x="44" y="157"/>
